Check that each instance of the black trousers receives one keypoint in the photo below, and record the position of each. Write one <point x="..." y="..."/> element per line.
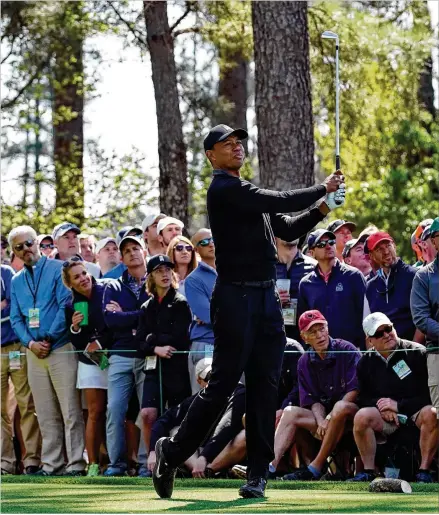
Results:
<point x="249" y="337"/>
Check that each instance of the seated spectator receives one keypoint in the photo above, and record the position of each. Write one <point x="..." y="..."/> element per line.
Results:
<point x="343" y="233"/>
<point x="181" y="252"/>
<point x="335" y="289"/>
<point x="168" y="228"/>
<point x="149" y="227"/>
<point x="163" y="329"/>
<point x="389" y="291"/>
<point x="65" y="237"/>
<point x="14" y="368"/>
<point x="87" y="247"/>
<point x="328" y="391"/>
<point x="393" y="387"/>
<point x="198" y="288"/>
<point x="45" y="241"/>
<point x="38" y="299"/>
<point x="122" y="301"/>
<point x="108" y="256"/>
<point x="353" y="255"/>
<point x="293" y="266"/>
<point x="427" y="247"/>
<point x="89" y="335"/>
<point x="4" y="254"/>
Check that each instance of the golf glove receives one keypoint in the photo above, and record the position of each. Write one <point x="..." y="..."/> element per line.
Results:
<point x="336" y="199"/>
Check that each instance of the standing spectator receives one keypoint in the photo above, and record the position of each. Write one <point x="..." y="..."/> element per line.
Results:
<point x="353" y="255"/>
<point x="4" y="255"/>
<point x="392" y="378"/>
<point x="292" y="265"/>
<point x="328" y="391"/>
<point x="149" y="227"/>
<point x="389" y="291"/>
<point x="427" y="246"/>
<point x="45" y="241"/>
<point x="17" y="264"/>
<point x="108" y="255"/>
<point x="343" y="233"/>
<point x="123" y="299"/>
<point x="424" y="303"/>
<point x="89" y="337"/>
<point x="163" y="329"/>
<point x="198" y="288"/>
<point x="38" y="299"/>
<point x="65" y="236"/>
<point x="364" y="234"/>
<point x="416" y="239"/>
<point x="181" y="252"/>
<point x="335" y="289"/>
<point x="87" y="244"/>
<point x="14" y="368"/>
<point x="168" y="228"/>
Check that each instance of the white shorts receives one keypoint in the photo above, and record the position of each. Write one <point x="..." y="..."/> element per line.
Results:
<point x="91" y="376"/>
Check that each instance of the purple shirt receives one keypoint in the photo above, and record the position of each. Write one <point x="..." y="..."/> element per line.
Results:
<point x="327" y="380"/>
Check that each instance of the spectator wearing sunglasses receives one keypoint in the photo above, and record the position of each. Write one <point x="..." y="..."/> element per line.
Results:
<point x="198" y="288"/>
<point x="335" y="289"/>
<point x="389" y="291"/>
<point x="424" y="302"/>
<point x="45" y="241"/>
<point x="38" y="300"/>
<point x="181" y="252"/>
<point x="393" y="390"/>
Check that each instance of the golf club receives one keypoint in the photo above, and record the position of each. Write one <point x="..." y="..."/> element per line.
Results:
<point x="328" y="34"/>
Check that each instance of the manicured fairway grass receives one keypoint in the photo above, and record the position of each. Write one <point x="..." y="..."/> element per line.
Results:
<point x="135" y="495"/>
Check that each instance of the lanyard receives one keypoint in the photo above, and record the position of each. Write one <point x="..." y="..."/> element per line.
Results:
<point x="34" y="294"/>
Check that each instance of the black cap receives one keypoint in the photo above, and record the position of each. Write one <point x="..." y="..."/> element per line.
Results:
<point x="157" y="261"/>
<point x="337" y="224"/>
<point x="221" y="133"/>
<point x="315" y="236"/>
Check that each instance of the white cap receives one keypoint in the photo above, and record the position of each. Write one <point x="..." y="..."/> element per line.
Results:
<point x="101" y="243"/>
<point x="168" y="220"/>
<point x="203" y="367"/>
<point x="373" y="321"/>
<point x="150" y="219"/>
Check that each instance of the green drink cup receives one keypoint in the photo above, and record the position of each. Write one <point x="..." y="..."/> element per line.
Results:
<point x="82" y="307"/>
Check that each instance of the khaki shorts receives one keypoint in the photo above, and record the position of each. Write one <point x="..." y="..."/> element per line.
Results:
<point x="390" y="427"/>
<point x="433" y="380"/>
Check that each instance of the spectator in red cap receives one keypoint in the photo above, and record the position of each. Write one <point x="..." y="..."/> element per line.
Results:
<point x="328" y="391"/>
<point x="389" y="291"/>
<point x="343" y="233"/>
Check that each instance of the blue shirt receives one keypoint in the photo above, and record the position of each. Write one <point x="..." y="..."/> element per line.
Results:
<point x="199" y="287"/>
<point x="115" y="272"/>
<point x="44" y="290"/>
<point x="8" y="335"/>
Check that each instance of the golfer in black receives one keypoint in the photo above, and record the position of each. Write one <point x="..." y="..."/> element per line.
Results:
<point x="245" y="309"/>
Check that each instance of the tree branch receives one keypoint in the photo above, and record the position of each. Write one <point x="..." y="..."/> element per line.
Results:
<point x="190" y="30"/>
<point x="189" y="6"/>
<point x="137" y="37"/>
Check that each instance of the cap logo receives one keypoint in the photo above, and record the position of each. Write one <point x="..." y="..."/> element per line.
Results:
<point x="339" y="287"/>
<point x="161" y="258"/>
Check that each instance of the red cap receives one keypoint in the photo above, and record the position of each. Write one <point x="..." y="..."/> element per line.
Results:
<point x="310" y="318"/>
<point x="377" y="237"/>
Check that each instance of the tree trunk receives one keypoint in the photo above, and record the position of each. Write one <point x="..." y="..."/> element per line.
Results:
<point x="232" y="90"/>
<point x="173" y="180"/>
<point x="283" y="94"/>
<point x="68" y="115"/>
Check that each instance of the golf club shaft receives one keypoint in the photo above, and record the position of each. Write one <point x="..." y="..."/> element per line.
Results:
<point x="337" y="111"/>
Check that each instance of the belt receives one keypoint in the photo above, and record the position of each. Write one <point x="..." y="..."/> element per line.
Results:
<point x="254" y="284"/>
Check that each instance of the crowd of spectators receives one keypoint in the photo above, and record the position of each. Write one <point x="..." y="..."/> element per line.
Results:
<point x="105" y="344"/>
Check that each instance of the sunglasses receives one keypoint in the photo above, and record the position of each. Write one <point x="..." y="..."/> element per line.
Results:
<point x="47" y="246"/>
<point x="180" y="247"/>
<point x="204" y="242"/>
<point x="20" y="246"/>
<point x="74" y="259"/>
<point x="387" y="330"/>
<point x="322" y="244"/>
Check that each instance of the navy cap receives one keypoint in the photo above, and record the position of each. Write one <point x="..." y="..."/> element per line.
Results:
<point x="157" y="261"/>
<point x="316" y="236"/>
<point x="221" y="133"/>
<point x="136" y="230"/>
<point x="338" y="224"/>
<point x="63" y="228"/>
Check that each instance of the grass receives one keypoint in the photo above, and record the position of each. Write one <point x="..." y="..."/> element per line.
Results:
<point x="21" y="494"/>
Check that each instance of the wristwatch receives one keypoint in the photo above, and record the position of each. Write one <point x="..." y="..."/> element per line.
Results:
<point x="328" y="417"/>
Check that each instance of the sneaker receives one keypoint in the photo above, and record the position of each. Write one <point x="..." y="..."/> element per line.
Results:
<point x="163" y="475"/>
<point x="43" y="473"/>
<point x="239" y="471"/>
<point x="31" y="470"/>
<point x="93" y="470"/>
<point x="75" y="473"/>
<point x="115" y="472"/>
<point x="301" y="475"/>
<point x="423" y="476"/>
<point x="254" y="488"/>
<point x="144" y="472"/>
<point x="366" y="477"/>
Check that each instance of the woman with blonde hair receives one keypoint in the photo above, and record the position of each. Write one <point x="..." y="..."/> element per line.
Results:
<point x="181" y="252"/>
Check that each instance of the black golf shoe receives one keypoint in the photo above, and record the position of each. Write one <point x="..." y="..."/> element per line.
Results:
<point x="163" y="475"/>
<point x="253" y="488"/>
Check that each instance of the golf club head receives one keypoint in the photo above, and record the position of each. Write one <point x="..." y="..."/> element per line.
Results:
<point x="328" y="34"/>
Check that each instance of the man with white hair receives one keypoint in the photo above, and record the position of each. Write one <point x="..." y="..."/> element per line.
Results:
<point x="149" y="228"/>
<point x="38" y="299"/>
<point x="168" y="228"/>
